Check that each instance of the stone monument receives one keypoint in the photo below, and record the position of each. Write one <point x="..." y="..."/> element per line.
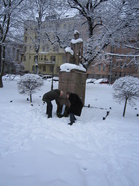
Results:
<point x="72" y="76"/>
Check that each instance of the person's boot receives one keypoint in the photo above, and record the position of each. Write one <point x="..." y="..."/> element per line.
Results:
<point x="71" y="123"/>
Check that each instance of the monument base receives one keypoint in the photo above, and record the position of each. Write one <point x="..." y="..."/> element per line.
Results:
<point x="73" y="81"/>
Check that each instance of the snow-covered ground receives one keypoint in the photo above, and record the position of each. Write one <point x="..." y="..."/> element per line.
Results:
<point x="37" y="151"/>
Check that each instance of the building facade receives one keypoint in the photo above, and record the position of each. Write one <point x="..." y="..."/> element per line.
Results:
<point x="55" y="36"/>
<point x="114" y="66"/>
<point x="13" y="57"/>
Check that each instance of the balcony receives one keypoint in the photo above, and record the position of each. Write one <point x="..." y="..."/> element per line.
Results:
<point x="45" y="63"/>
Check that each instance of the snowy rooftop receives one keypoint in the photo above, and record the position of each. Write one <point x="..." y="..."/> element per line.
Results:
<point x="67" y="67"/>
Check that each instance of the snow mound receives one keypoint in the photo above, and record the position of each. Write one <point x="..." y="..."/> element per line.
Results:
<point x="67" y="67"/>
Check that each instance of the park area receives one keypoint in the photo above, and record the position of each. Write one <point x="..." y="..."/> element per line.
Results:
<point x="37" y="151"/>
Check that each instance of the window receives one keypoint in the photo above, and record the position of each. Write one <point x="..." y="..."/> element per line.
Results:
<point x="17" y="55"/>
<point x="41" y="57"/>
<point x="64" y="59"/>
<point x="55" y="48"/>
<point x="116" y="64"/>
<point x="121" y="65"/>
<point x="51" y="68"/>
<point x="104" y="67"/>
<point x="34" y="58"/>
<point x="25" y="48"/>
<point x="99" y="67"/>
<point x="47" y="48"/>
<point x="25" y="38"/>
<point x="120" y="74"/>
<point x="43" y="48"/>
<point x="53" y="58"/>
<point x="44" y="68"/>
<point x="115" y="74"/>
<point x="130" y="66"/>
<point x="45" y="58"/>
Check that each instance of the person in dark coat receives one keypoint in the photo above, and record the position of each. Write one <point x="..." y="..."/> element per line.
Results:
<point x="76" y="106"/>
<point x="50" y="96"/>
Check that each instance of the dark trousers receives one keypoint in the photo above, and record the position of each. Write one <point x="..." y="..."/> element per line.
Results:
<point x="49" y="109"/>
<point x="72" y="117"/>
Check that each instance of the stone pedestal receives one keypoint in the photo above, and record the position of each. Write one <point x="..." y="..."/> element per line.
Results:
<point x="73" y="81"/>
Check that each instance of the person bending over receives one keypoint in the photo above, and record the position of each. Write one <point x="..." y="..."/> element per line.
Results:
<point x="76" y="106"/>
<point x="50" y="96"/>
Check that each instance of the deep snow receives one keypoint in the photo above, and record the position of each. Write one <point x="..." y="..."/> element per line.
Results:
<point x="37" y="151"/>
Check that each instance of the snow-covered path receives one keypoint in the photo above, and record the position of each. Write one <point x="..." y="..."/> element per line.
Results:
<point x="36" y="151"/>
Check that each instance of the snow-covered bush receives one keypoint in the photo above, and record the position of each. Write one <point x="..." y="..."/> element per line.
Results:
<point x="126" y="89"/>
<point x="29" y="83"/>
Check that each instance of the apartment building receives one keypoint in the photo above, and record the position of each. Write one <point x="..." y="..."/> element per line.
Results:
<point x="115" y="66"/>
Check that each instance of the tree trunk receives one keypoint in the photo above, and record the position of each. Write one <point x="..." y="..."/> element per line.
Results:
<point x="90" y="25"/>
<point x="2" y="63"/>
<point x="36" y="61"/>
<point x="125" y="107"/>
<point x="1" y="83"/>
<point x="30" y="98"/>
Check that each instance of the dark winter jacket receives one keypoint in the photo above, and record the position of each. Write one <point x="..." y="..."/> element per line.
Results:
<point x="76" y="104"/>
<point x="51" y="95"/>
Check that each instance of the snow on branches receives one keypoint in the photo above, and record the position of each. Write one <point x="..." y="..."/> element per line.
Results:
<point x="29" y="83"/>
<point x="126" y="89"/>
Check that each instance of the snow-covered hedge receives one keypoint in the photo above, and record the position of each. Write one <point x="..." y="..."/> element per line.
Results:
<point x="29" y="83"/>
<point x="126" y="89"/>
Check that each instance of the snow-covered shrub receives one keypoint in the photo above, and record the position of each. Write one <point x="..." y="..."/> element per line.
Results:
<point x="29" y="83"/>
<point x="126" y="89"/>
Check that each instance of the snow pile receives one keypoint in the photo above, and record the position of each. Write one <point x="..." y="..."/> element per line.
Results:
<point x="67" y="67"/>
<point x="68" y="49"/>
<point x="74" y="41"/>
<point x="97" y="81"/>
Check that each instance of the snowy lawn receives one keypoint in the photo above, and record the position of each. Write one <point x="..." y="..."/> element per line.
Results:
<point x="37" y="151"/>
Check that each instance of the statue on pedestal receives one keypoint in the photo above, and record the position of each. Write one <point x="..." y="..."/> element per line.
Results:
<point x="74" y="53"/>
<point x="72" y="75"/>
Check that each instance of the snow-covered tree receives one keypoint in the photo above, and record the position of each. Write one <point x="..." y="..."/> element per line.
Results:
<point x="29" y="83"/>
<point x="8" y="12"/>
<point x="111" y="23"/>
<point x="36" y="21"/>
<point x="126" y="89"/>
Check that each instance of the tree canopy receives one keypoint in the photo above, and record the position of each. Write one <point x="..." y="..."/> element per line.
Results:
<point x="126" y="89"/>
<point x="29" y="83"/>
